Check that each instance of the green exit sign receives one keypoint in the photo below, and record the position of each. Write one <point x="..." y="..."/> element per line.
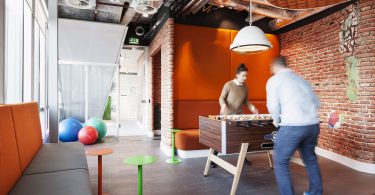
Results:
<point x="133" y="40"/>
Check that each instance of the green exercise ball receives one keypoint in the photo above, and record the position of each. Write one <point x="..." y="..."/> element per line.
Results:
<point x="99" y="125"/>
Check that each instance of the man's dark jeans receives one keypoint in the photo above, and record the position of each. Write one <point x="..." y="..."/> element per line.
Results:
<point x="288" y="140"/>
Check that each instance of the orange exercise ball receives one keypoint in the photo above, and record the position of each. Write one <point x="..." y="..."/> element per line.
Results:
<point x="88" y="135"/>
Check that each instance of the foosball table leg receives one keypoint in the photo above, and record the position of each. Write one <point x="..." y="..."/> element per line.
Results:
<point x="270" y="159"/>
<point x="208" y="163"/>
<point x="237" y="174"/>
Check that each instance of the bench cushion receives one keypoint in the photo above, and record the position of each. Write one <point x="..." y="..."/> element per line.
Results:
<point x="28" y="131"/>
<point x="10" y="169"/>
<point x="188" y="139"/>
<point x="56" y="183"/>
<point x="58" y="157"/>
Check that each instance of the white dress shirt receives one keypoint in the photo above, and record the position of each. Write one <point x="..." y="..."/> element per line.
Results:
<point x="291" y="100"/>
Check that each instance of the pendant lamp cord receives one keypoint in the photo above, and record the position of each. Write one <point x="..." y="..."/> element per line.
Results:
<point x="250" y="12"/>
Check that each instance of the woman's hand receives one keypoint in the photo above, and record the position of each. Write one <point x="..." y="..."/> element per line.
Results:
<point x="224" y="109"/>
<point x="254" y="110"/>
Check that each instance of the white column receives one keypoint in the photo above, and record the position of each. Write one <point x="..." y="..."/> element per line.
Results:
<point x="52" y="74"/>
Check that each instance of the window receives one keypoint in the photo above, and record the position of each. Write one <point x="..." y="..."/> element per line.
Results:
<point x="13" y="50"/>
<point x="25" y="54"/>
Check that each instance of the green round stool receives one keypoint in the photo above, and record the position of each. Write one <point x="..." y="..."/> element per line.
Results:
<point x="140" y="161"/>
<point x="173" y="160"/>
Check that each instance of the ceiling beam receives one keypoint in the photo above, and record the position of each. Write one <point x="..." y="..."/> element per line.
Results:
<point x="279" y="23"/>
<point x="260" y="2"/>
<point x="128" y="16"/>
<point x="268" y="11"/>
<point x="256" y="17"/>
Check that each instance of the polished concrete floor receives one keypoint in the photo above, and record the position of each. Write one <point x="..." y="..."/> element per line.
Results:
<point x="187" y="178"/>
<point x="127" y="128"/>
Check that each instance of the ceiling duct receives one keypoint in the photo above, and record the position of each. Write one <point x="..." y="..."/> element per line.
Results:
<point x="147" y="6"/>
<point x="81" y="4"/>
<point x="139" y="30"/>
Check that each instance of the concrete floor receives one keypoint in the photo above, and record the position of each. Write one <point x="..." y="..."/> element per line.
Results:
<point x="128" y="128"/>
<point x="187" y="177"/>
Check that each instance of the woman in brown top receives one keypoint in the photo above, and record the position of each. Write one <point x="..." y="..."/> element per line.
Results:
<point x="234" y="94"/>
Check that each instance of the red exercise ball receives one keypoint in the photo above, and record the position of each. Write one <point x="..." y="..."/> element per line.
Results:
<point x="88" y="135"/>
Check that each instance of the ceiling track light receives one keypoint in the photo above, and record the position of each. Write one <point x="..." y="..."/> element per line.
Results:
<point x="250" y="39"/>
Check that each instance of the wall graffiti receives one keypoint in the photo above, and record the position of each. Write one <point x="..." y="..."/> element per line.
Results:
<point x="348" y="30"/>
<point x="347" y="36"/>
<point x="352" y="73"/>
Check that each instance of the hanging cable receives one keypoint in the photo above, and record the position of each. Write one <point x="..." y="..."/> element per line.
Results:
<point x="250" y="12"/>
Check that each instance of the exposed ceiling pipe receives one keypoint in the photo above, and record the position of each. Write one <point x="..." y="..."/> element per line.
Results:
<point x="168" y="3"/>
<point x="152" y="31"/>
<point x="177" y="6"/>
<point x="197" y="6"/>
<point x="271" y="12"/>
<point x="187" y="6"/>
<point x="200" y="6"/>
<point x="277" y="23"/>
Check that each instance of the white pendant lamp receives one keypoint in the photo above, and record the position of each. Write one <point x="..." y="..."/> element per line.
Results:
<point x="250" y="39"/>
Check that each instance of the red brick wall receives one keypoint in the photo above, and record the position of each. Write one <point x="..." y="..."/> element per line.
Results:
<point x="164" y="41"/>
<point x="313" y="52"/>
<point x="156" y="78"/>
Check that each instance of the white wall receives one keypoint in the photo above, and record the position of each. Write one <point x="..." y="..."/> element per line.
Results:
<point x="2" y="62"/>
<point x="87" y="41"/>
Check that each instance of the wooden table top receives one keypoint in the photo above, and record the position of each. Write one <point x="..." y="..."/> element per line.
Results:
<point x="99" y="151"/>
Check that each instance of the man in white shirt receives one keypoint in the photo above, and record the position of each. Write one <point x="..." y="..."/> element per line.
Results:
<point x="294" y="108"/>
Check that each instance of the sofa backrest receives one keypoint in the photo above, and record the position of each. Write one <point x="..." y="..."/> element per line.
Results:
<point x="27" y="130"/>
<point x="186" y="113"/>
<point x="10" y="169"/>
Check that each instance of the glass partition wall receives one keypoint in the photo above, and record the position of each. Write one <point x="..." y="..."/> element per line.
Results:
<point x="84" y="91"/>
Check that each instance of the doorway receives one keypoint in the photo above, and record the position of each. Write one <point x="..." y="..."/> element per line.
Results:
<point x="132" y="91"/>
<point x="156" y="90"/>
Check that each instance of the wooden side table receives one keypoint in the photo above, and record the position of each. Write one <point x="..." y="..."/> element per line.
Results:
<point x="99" y="152"/>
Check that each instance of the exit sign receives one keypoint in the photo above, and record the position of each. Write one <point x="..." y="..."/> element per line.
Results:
<point x="133" y="40"/>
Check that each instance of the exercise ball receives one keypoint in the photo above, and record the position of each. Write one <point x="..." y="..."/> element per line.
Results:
<point x="68" y="130"/>
<point x="88" y="135"/>
<point x="99" y="125"/>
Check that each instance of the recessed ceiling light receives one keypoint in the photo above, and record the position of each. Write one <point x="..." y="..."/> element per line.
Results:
<point x="145" y="15"/>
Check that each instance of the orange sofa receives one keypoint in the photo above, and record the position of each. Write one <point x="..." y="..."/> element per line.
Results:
<point x="186" y="118"/>
<point x="27" y="166"/>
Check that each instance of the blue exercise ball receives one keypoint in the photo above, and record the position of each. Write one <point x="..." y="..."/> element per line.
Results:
<point x="68" y="130"/>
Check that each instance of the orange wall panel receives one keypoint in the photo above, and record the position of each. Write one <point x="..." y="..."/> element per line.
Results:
<point x="202" y="62"/>
<point x="258" y="65"/>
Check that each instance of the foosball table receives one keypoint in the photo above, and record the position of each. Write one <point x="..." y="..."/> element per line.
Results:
<point x="231" y="134"/>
